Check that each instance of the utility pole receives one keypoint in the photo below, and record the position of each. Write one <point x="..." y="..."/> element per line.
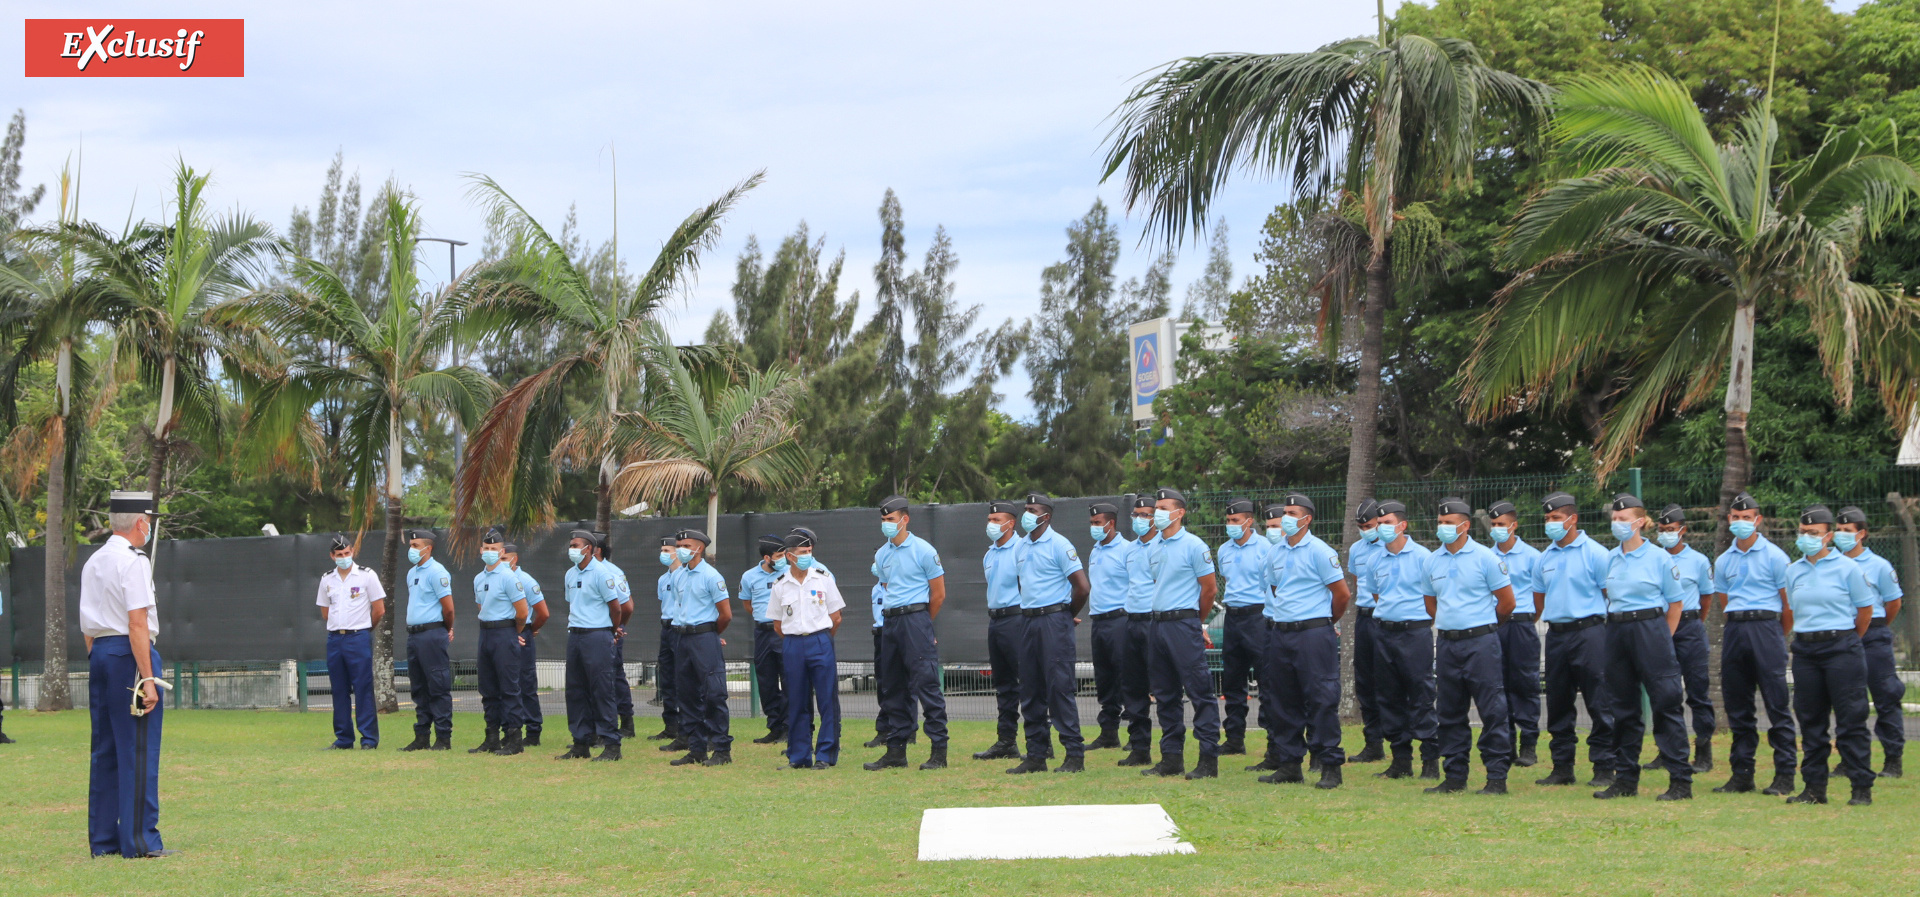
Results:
<point x="453" y="274"/>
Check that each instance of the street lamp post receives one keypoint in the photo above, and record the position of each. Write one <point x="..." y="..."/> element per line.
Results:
<point x="453" y="274"/>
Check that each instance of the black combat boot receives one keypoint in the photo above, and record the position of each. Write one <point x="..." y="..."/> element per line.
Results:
<point x="691" y="758"/>
<point x="1862" y="795"/>
<point x="1169" y="765"/>
<point x="1284" y="774"/>
<point x="1313" y="763"/>
<point x="442" y="741"/>
<point x="1003" y="749"/>
<point x="667" y="732"/>
<point x="490" y="745"/>
<point x="937" y="758"/>
<point x="677" y="744"/>
<point x="1677" y="791"/>
<point x="1703" y="755"/>
<point x="1372" y="753"/>
<point x="1329" y="777"/>
<point x="1740" y="783"/>
<point x="1602" y="778"/>
<point x="1529" y="752"/>
<point x="1109" y="738"/>
<point x="1267" y="763"/>
<point x="511" y="745"/>
<point x="1619" y="787"/>
<point x="610" y="751"/>
<point x="1030" y="763"/>
<point x="1450" y="786"/>
<point x="1782" y="785"/>
<point x="626" y="725"/>
<point x="877" y="741"/>
<point x="1430" y="767"/>
<point x="1073" y="763"/>
<point x="1140" y="757"/>
<point x="1891" y="768"/>
<point x="1207" y="768"/>
<point x="1400" y="768"/>
<point x="719" y="758"/>
<point x="1652" y="764"/>
<point x="1561" y="775"/>
<point x="1235" y="744"/>
<point x="579" y="751"/>
<point x="1812" y="794"/>
<point x="894" y="758"/>
<point x="5" y="740"/>
<point x="419" y="742"/>
<point x="1494" y="786"/>
<point x="773" y="736"/>
<point x="532" y="739"/>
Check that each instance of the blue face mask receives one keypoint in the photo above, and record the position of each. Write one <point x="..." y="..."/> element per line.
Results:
<point x="1622" y="530"/>
<point x="575" y="555"/>
<point x="1845" y="541"/>
<point x="1290" y="525"/>
<point x="1099" y="533"/>
<point x="343" y="563"/>
<point x="1556" y="530"/>
<point x="1447" y="533"/>
<point x="666" y="558"/>
<point x="1500" y="534"/>
<point x="1371" y="534"/>
<point x="780" y="565"/>
<point x="1028" y="520"/>
<point x="1162" y="519"/>
<point x="685" y="555"/>
<point x="489" y="558"/>
<point x="413" y="556"/>
<point x="889" y="528"/>
<point x="994" y="532"/>
<point x="803" y="561"/>
<point x="1669" y="540"/>
<point x="1142" y="526"/>
<point x="1742" y="528"/>
<point x="1235" y="531"/>
<point x="1384" y="533"/>
<point x="1808" y="543"/>
<point x="1275" y="534"/>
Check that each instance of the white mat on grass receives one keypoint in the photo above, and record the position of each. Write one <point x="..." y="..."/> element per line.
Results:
<point x="1025" y="833"/>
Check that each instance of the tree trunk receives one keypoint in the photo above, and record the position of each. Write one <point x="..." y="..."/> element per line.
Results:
<point x="54" y="693"/>
<point x="162" y="425"/>
<point x="385" y="697"/>
<point x="1361" y="451"/>
<point x="1909" y="569"/>
<point x="1737" y="467"/>
<point x="713" y="519"/>
<point x="603" y="499"/>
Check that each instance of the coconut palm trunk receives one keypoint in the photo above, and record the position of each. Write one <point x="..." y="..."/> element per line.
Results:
<point x="54" y="693"/>
<point x="385" y="696"/>
<point x="1738" y="467"/>
<point x="162" y="423"/>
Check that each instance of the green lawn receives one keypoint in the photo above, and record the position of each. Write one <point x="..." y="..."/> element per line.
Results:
<point x="259" y="810"/>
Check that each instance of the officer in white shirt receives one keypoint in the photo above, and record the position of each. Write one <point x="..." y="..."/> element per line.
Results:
<point x="120" y="621"/>
<point x="805" y="605"/>
<point x="351" y="601"/>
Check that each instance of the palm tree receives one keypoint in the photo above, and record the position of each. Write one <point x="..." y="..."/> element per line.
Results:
<point x="1387" y="120"/>
<point x="1664" y="247"/>
<point x="385" y="366"/>
<point x="744" y="433"/>
<point x="568" y="410"/>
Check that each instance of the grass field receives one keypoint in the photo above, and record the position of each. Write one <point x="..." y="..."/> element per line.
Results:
<point x="257" y="809"/>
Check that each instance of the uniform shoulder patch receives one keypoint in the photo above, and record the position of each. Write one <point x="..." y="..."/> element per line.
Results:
<point x="1676" y="574"/>
<point x="446" y="581"/>
<point x="1503" y="568"/>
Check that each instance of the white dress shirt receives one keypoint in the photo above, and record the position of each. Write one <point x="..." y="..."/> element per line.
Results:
<point x="804" y="607"/>
<point x="116" y="581"/>
<point x="349" y="599"/>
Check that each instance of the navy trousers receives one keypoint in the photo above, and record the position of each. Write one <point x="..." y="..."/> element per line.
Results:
<point x="530" y="685"/>
<point x="1886" y="690"/>
<point x="812" y="682"/>
<point x="1830" y="678"/>
<point x="1690" y="648"/>
<point x="1177" y="669"/>
<point x="1403" y="688"/>
<point x="1243" y="662"/>
<point x="590" y="694"/>
<point x="886" y="687"/>
<point x="663" y="676"/>
<point x="1640" y="657"/>
<point x="702" y="680"/>
<point x="1305" y="673"/>
<point x="350" y="672"/>
<point x="622" y="690"/>
<point x="910" y="659"/>
<point x="1520" y="658"/>
<point x="430" y="675"/>
<point x="1136" y="692"/>
<point x="1365" y="692"/>
<point x="123" y="791"/>
<point x="1577" y="668"/>
<point x="1753" y="656"/>
<point x="770" y="671"/>
<point x="1048" y="686"/>
<point x="500" y="675"/>
<point x="1004" y="636"/>
<point x="1472" y="670"/>
<point x="1109" y="656"/>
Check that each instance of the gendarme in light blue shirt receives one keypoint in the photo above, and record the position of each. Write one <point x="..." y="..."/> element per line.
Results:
<point x="1696" y="576"/>
<point x="1400" y="579"/>
<point x="1825" y="594"/>
<point x="588" y="592"/>
<point x="1299" y="574"/>
<point x="1177" y="564"/>
<point x="495" y="591"/>
<point x="663" y="591"/>
<point x="1140" y="585"/>
<point x="879" y="595"/>
<point x="1045" y="563"/>
<point x="427" y="583"/>
<point x="756" y="586"/>
<point x="617" y="581"/>
<point x="530" y="587"/>
<point x="1571" y="576"/>
<point x="1880" y="578"/>
<point x="1002" y="566"/>
<point x="1521" y="562"/>
<point x="1645" y="578"/>
<point x="1107" y="575"/>
<point x="1751" y="577"/>
<point x="1360" y="557"/>
<point x="1245" y="568"/>
<point x="1462" y="585"/>
<point x="908" y="570"/>
<point x="697" y="593"/>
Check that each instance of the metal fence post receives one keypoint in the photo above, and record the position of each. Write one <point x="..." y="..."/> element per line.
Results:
<point x="753" y="692"/>
<point x="176" y="685"/>
<point x="1633" y="481"/>
<point x="300" y="672"/>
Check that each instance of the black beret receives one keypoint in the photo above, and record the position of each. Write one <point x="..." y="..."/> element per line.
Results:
<point x="810" y="534"/>
<point x="581" y="534"/>
<point x="492" y="536"/>
<point x="1391" y="506"/>
<point x="1368" y="510"/>
<point x="668" y="541"/>
<point x="1101" y="507"/>
<point x="1240" y="506"/>
<point x="1851" y="514"/>
<point x="1455" y="506"/>
<point x="771" y="544"/>
<point x="799" y="538"/>
<point x="1041" y="499"/>
<point x="1673" y="514"/>
<point x="1500" y="508"/>
<point x="1817" y="514"/>
<point x="1300" y="501"/>
<point x="509" y="548"/>
<point x="695" y="535"/>
<point x="1627" y="500"/>
<point x="1554" y="501"/>
<point x="1171" y="495"/>
<point x="1003" y="507"/>
<point x="426" y="534"/>
<point x="1743" y="502"/>
<point x="894" y="503"/>
<point x="1143" y="501"/>
<point x="339" y="543"/>
<point x="1273" y="511"/>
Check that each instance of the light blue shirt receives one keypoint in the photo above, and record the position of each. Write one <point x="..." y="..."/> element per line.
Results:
<point x="495" y="591"/>
<point x="756" y="586"/>
<point x="1572" y="578"/>
<point x="1140" y="585"/>
<point x="427" y="583"/>
<point x="617" y="580"/>
<point x="879" y="598"/>
<point x="1177" y="565"/>
<point x="1245" y="568"/>
<point x="1002" y="565"/>
<point x="1045" y="564"/>
<point x="908" y="570"/>
<point x="1879" y="574"/>
<point x="530" y="587"/>
<point x="1521" y="563"/>
<point x="1299" y="574"/>
<point x="1825" y="594"/>
<point x="1696" y="576"/>
<point x="1646" y="578"/>
<point x="664" y="592"/>
<point x="1462" y="585"/>
<point x="1752" y="577"/>
<point x="1107" y="575"/>
<point x="1360" y="557"/>
<point x="697" y="592"/>
<point x="588" y="592"/>
<point x="1399" y="578"/>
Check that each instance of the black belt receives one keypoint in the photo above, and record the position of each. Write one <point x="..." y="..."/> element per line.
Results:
<point x="1635" y="616"/>
<point x="696" y="629"/>
<point x="1110" y="615"/>
<point x="1163" y="616"/>
<point x="1402" y="625"/>
<point x="1518" y="617"/>
<point x="1001" y="613"/>
<point x="1365" y="612"/>
<point x="1822" y="636"/>
<point x="1299" y="625"/>
<point x="804" y="634"/>
<point x="589" y="628"/>
<point x="495" y="624"/>
<point x="345" y="631"/>
<point x="1877" y="624"/>
<point x="1043" y="611"/>
<point x="1140" y="618"/>
<point x="416" y="630"/>
<point x="1245" y="610"/>
<point x="1577" y="625"/>
<point x="763" y="627"/>
<point x="903" y="610"/>
<point x="1455" y="635"/>
<point x="1748" y="616"/>
<point x="1689" y="615"/>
